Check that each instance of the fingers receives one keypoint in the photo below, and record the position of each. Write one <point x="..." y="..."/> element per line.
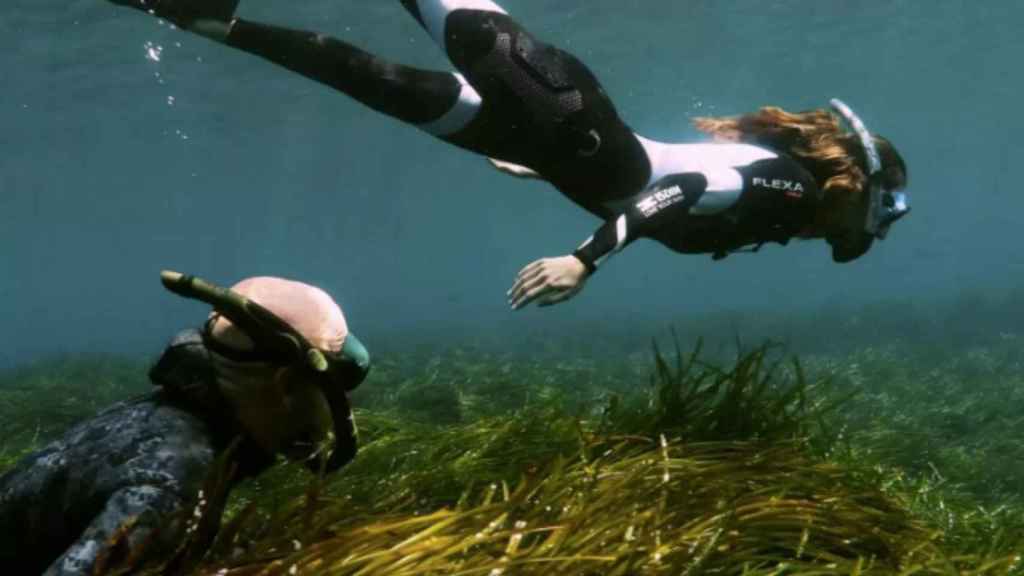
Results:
<point x="547" y="281"/>
<point x="523" y="285"/>
<point x="531" y="295"/>
<point x="525" y="279"/>
<point x="532" y="269"/>
<point x="527" y="288"/>
<point x="526" y="275"/>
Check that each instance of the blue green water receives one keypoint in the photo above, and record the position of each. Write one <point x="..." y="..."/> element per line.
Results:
<point x="128" y="147"/>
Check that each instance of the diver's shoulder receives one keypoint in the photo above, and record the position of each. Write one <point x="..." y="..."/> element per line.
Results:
<point x="731" y="154"/>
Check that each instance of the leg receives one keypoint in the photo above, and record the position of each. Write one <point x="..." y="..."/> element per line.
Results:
<point x="522" y="101"/>
<point x="477" y="36"/>
<point x="412" y="95"/>
<point x="440" y="103"/>
<point x="553" y="115"/>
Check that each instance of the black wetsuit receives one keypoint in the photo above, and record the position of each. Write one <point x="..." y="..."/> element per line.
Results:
<point x="776" y="201"/>
<point x="520" y="100"/>
<point x="145" y="458"/>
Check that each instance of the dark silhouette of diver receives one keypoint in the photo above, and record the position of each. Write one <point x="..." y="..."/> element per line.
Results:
<point x="537" y="111"/>
<point x="273" y="366"/>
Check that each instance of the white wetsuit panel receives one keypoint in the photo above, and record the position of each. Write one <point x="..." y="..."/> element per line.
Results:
<point x="460" y="114"/>
<point x="717" y="162"/>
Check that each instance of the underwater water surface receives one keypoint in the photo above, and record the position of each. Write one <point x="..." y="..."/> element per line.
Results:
<point x="130" y="147"/>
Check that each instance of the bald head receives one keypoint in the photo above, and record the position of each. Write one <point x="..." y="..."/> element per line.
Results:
<point x="307" y="309"/>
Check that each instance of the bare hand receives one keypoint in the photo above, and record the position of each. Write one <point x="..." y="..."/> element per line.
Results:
<point x="548" y="281"/>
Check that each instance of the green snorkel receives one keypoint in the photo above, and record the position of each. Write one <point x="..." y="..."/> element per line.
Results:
<point x="275" y="340"/>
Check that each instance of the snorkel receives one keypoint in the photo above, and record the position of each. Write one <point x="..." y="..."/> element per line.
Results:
<point x="884" y="206"/>
<point x="274" y="339"/>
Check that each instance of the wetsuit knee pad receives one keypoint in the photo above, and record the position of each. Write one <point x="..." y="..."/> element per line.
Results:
<point x="493" y="45"/>
<point x="546" y="64"/>
<point x="504" y="62"/>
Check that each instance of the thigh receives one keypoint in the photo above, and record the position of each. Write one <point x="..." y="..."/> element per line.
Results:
<point x="533" y="85"/>
<point x="543" y="108"/>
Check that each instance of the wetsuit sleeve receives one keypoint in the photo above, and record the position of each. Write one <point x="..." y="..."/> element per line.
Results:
<point x="667" y="201"/>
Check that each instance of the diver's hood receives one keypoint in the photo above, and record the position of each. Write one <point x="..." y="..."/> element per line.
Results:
<point x="185" y="369"/>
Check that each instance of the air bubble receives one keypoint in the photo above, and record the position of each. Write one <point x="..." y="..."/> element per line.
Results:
<point x="153" y="51"/>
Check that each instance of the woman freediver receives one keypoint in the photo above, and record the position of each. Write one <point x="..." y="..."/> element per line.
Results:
<point x="537" y="111"/>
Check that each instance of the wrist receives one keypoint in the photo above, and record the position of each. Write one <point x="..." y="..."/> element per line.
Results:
<point x="587" y="264"/>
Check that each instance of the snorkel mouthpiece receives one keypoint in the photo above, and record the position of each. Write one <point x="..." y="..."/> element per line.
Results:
<point x="884" y="206"/>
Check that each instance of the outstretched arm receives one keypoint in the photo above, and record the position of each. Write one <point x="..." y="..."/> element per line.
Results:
<point x="668" y="200"/>
<point x="553" y="280"/>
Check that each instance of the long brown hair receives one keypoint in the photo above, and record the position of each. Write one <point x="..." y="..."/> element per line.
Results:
<point x="819" y="142"/>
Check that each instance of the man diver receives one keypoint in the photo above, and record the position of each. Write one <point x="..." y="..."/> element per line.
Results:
<point x="269" y="373"/>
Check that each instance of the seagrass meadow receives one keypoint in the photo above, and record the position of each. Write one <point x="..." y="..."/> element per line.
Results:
<point x="675" y="456"/>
